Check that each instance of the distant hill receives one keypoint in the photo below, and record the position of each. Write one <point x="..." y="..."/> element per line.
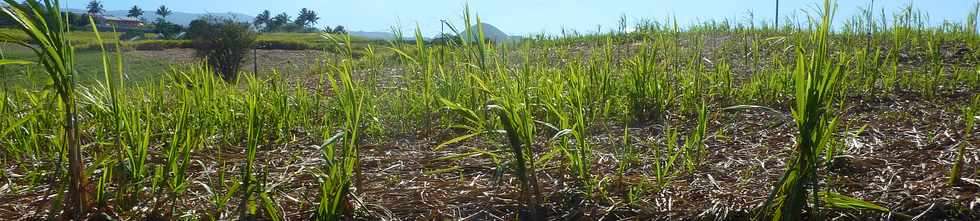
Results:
<point x="180" y="18"/>
<point x="493" y="33"/>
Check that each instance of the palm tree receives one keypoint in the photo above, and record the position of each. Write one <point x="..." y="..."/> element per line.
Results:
<point x="263" y="19"/>
<point x="94" y="7"/>
<point x="278" y="21"/>
<point x="163" y="11"/>
<point x="301" y="17"/>
<point x="306" y="17"/>
<point x="281" y="19"/>
<point x="311" y="17"/>
<point x="135" y="12"/>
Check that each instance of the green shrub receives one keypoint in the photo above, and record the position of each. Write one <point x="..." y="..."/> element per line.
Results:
<point x="199" y="28"/>
<point x="223" y="43"/>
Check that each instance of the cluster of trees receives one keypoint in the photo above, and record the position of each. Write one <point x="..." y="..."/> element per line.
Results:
<point x="166" y="29"/>
<point x="95" y="7"/>
<point x="304" y="22"/>
<point x="283" y="23"/>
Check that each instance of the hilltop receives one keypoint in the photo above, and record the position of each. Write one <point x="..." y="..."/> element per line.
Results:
<point x="492" y="32"/>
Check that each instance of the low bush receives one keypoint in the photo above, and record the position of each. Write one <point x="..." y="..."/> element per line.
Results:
<point x="223" y="43"/>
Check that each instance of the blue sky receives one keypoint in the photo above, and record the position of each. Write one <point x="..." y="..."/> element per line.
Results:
<point x="530" y="16"/>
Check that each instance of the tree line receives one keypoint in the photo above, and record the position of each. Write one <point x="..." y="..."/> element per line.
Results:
<point x="304" y="21"/>
<point x="282" y="22"/>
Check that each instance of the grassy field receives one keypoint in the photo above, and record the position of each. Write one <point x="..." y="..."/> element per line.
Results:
<point x="716" y="121"/>
<point x="89" y="66"/>
<point x="82" y="39"/>
<point x="143" y="64"/>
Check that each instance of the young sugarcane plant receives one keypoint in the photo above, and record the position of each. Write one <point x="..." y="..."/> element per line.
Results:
<point x="627" y="155"/>
<point x="665" y="158"/>
<point x="817" y="80"/>
<point x="580" y="155"/>
<point x="47" y="29"/>
<point x="113" y="86"/>
<point x="184" y="139"/>
<point x="646" y="90"/>
<point x="969" y="119"/>
<point x="335" y="182"/>
<point x="341" y="167"/>
<point x="694" y="144"/>
<point x="253" y="133"/>
<point x="137" y="143"/>
<point x="514" y="109"/>
<point x="818" y="87"/>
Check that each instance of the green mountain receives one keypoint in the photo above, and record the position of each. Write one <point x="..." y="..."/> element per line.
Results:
<point x="492" y="32"/>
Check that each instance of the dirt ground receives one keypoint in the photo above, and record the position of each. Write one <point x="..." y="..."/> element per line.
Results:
<point x="899" y="160"/>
